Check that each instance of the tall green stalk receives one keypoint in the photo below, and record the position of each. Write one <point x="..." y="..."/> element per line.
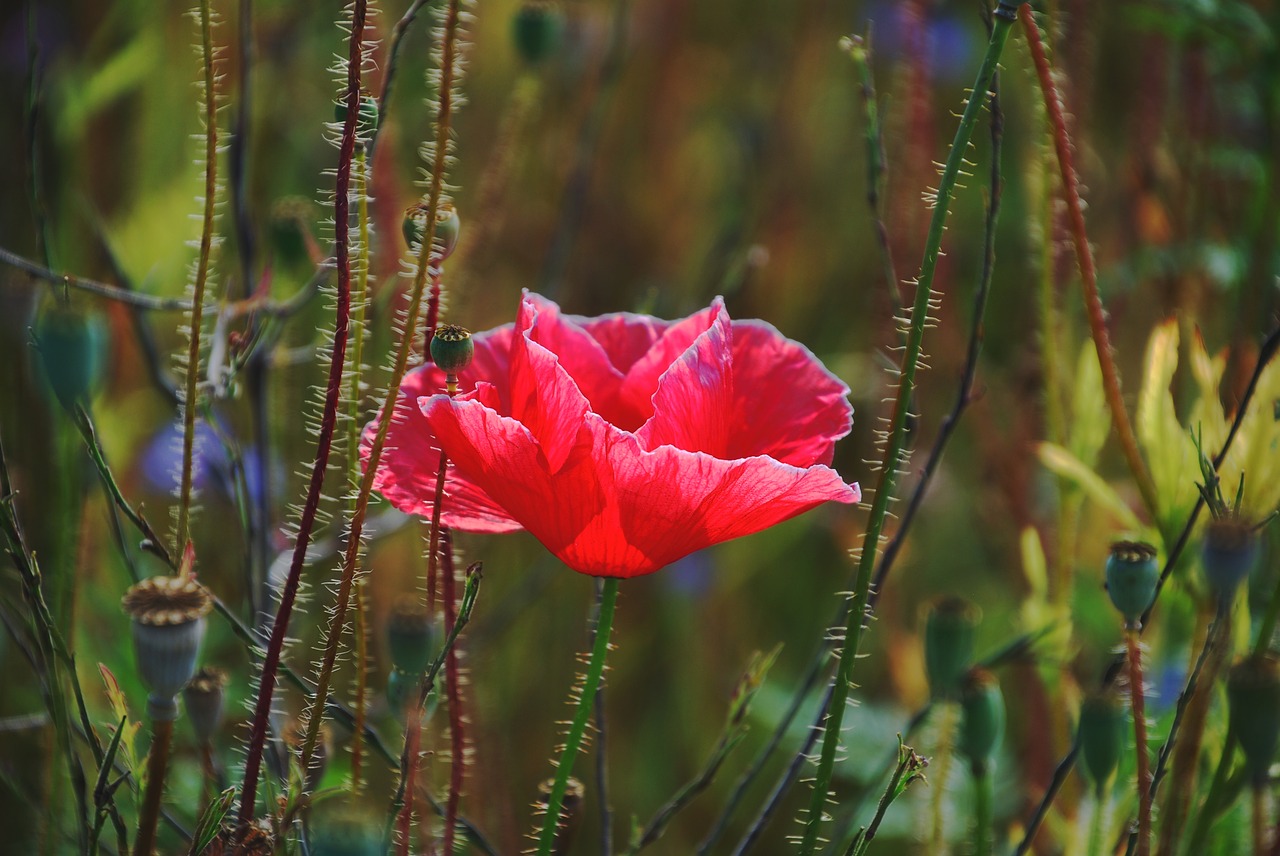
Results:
<point x="1005" y="15"/>
<point x="573" y="740"/>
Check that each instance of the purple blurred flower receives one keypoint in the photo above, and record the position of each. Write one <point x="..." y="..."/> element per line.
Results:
<point x="211" y="467"/>
<point x="950" y="46"/>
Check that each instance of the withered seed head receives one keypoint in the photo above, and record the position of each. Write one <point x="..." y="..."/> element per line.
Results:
<point x="166" y="601"/>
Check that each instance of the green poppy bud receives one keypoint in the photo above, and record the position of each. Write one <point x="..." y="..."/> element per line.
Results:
<point x="949" y="631"/>
<point x="1103" y="731"/>
<point x="1229" y="553"/>
<point x="452" y="348"/>
<point x="168" y="627"/>
<point x="982" y="718"/>
<point x="538" y="30"/>
<point x="409" y="636"/>
<point x="448" y="229"/>
<point x="72" y="345"/>
<point x="1253" y="695"/>
<point x="346" y="829"/>
<point x="203" y="699"/>
<point x="1132" y="576"/>
<point x="366" y="122"/>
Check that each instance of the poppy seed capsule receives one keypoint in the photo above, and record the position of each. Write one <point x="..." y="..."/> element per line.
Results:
<point x="72" y="345"/>
<point x="1132" y="575"/>
<point x="1102" y="730"/>
<point x="448" y="229"/>
<point x="537" y="30"/>
<point x="1229" y="553"/>
<point x="409" y="636"/>
<point x="347" y="830"/>
<point x="452" y="348"/>
<point x="366" y="122"/>
<point x="1253" y="695"/>
<point x="203" y="698"/>
<point x="168" y="626"/>
<point x="982" y="719"/>
<point x="949" y="630"/>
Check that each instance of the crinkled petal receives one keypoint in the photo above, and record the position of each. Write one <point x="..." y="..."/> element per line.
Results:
<point x="625" y="336"/>
<point x="693" y="406"/>
<point x="641" y="380"/>
<point x="544" y="398"/>
<point x="582" y="356"/>
<point x="786" y="404"/>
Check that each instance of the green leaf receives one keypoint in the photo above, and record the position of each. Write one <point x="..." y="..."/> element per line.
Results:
<point x="1062" y="463"/>
<point x="1090" y="418"/>
<point x="211" y="821"/>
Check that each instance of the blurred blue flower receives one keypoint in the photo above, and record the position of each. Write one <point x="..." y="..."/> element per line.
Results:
<point x="211" y="467"/>
<point x="951" y="46"/>
<point x="691" y="576"/>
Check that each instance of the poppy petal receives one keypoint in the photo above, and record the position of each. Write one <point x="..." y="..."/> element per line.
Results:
<point x="544" y="398"/>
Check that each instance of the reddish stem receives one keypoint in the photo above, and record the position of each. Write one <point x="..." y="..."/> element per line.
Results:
<point x="157" y="764"/>
<point x="1138" y="698"/>
<point x="328" y="421"/>
<point x="413" y="733"/>
<point x="457" y="735"/>
<point x="1084" y="259"/>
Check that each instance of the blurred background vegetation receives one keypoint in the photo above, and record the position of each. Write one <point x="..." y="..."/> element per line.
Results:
<point x="673" y="150"/>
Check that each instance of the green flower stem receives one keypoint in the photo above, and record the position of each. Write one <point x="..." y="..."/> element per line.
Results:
<point x="1001" y="25"/>
<point x="573" y="740"/>
<point x="1098" y="823"/>
<point x="982" y="797"/>
<point x="202" y="274"/>
<point x="943" y="755"/>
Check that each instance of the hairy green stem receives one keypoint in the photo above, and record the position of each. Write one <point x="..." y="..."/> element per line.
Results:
<point x="582" y="713"/>
<point x="894" y="448"/>
<point x="202" y="275"/>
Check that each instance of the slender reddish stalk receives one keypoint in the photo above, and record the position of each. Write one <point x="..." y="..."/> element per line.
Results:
<point x="157" y="763"/>
<point x="1138" y="698"/>
<point x="413" y="733"/>
<point x="453" y="686"/>
<point x="356" y="530"/>
<point x="328" y="421"/>
<point x="1084" y="259"/>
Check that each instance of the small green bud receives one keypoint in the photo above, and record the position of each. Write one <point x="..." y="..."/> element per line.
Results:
<point x="538" y="30"/>
<point x="1253" y="695"/>
<point x="346" y="829"/>
<point x="72" y="345"/>
<point x="949" y="631"/>
<point x="203" y="699"/>
<point x="1229" y="553"/>
<point x="1103" y="730"/>
<point x="409" y="636"/>
<point x="448" y="229"/>
<point x="1132" y="575"/>
<point x="366" y="122"/>
<point x="982" y="719"/>
<point x="452" y="348"/>
<point x="168" y="626"/>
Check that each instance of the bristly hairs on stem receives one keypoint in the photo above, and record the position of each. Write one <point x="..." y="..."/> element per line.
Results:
<point x="1088" y="271"/>
<point x="208" y="241"/>
<point x="449" y="73"/>
<point x="262" y="709"/>
<point x="1004" y="18"/>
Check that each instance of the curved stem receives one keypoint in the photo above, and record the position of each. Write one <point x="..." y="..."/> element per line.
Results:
<point x="573" y="740"/>
<point x="1138" y="698"/>
<point x="157" y="764"/>
<point x="894" y="449"/>
<point x="1084" y="259"/>
<point x="328" y="422"/>
<point x="202" y="274"/>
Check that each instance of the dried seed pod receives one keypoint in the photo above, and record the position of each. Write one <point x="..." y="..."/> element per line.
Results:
<point x="949" y="631"/>
<point x="203" y="699"/>
<point x="570" y="812"/>
<point x="1132" y="575"/>
<point x="982" y="720"/>
<point x="1103" y="730"/>
<point x="1229" y="553"/>
<point x="168" y="627"/>
<point x="1253" y="694"/>
<point x="409" y="635"/>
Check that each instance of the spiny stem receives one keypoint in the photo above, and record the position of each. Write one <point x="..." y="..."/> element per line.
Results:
<point x="1137" y="696"/>
<point x="1088" y="271"/>
<point x="943" y="755"/>
<point x="453" y="689"/>
<point x="333" y="393"/>
<point x="157" y="764"/>
<point x="444" y="120"/>
<point x="893" y="449"/>
<point x="573" y="740"/>
<point x="202" y="274"/>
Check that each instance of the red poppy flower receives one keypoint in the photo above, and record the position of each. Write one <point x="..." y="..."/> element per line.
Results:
<point x="622" y="442"/>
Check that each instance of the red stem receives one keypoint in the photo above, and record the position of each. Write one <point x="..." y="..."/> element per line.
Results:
<point x="457" y="735"/>
<point x="1138" y="698"/>
<point x="333" y="394"/>
<point x="1084" y="259"/>
<point x="413" y="732"/>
